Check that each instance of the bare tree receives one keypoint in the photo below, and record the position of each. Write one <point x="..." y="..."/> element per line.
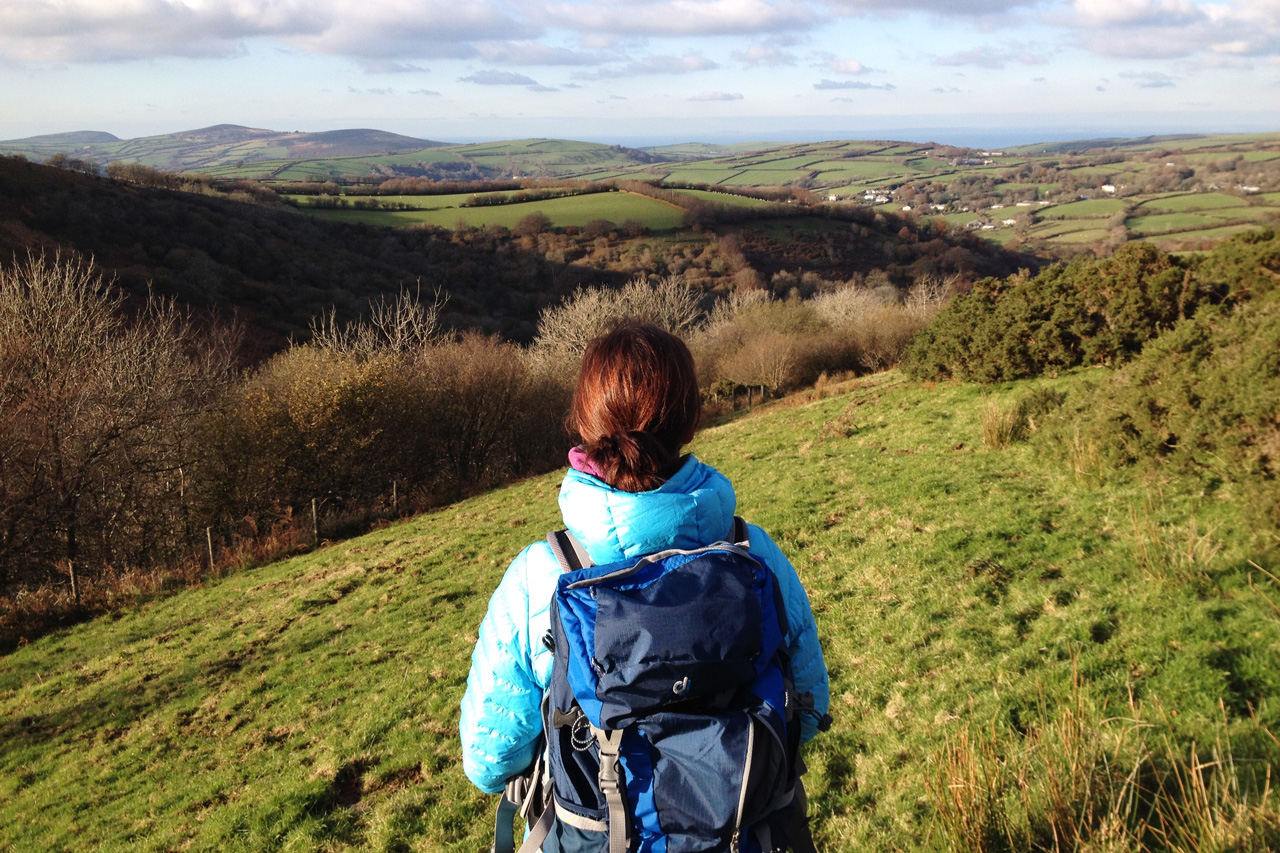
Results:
<point x="94" y="407"/>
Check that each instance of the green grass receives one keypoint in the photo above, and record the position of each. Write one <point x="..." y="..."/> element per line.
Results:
<point x="859" y="168"/>
<point x="1191" y="201"/>
<point x="1218" y="233"/>
<point x="727" y="198"/>
<point x="1080" y="237"/>
<point x="1164" y="222"/>
<point x="574" y="210"/>
<point x="702" y="174"/>
<point x="761" y="178"/>
<point x="1088" y="209"/>
<point x="312" y="703"/>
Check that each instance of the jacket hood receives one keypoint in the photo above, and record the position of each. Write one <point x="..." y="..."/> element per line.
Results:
<point x="692" y="509"/>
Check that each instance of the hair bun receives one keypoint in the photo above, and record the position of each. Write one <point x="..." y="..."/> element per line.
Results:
<point x="628" y="453"/>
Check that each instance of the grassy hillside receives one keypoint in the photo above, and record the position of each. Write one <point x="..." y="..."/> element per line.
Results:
<point x="1004" y="632"/>
<point x="448" y="211"/>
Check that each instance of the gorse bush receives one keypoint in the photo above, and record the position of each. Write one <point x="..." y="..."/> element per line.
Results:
<point x="1087" y="312"/>
<point x="1196" y="343"/>
<point x="1204" y="397"/>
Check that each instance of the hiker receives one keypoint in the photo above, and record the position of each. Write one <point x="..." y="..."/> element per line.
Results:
<point x="629" y="493"/>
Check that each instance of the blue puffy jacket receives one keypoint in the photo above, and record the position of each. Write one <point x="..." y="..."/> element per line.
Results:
<point x="510" y="667"/>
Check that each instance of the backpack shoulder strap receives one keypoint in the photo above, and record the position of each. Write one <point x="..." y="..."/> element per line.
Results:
<point x="741" y="535"/>
<point x="568" y="550"/>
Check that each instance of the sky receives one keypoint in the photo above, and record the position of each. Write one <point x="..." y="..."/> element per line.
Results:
<point x="983" y="72"/>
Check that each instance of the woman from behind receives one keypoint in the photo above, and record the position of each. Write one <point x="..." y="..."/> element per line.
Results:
<point x="629" y="492"/>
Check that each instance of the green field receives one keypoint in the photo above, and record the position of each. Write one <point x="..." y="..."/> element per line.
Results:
<point x="761" y="178"/>
<point x="850" y="170"/>
<point x="1090" y="209"/>
<point x="418" y="202"/>
<point x="1204" y="234"/>
<point x="1192" y="201"/>
<point x="573" y="210"/>
<point x="727" y="198"/>
<point x="963" y="596"/>
<point x="1163" y="222"/>
<point x="698" y="174"/>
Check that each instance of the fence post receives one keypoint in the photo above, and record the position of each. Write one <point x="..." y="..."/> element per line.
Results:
<point x="208" y="535"/>
<point x="395" y="500"/>
<point x="315" y="524"/>
<point x="75" y="586"/>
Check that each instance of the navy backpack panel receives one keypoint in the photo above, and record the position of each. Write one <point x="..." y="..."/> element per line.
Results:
<point x="676" y="664"/>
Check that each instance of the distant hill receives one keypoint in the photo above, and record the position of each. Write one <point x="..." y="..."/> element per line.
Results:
<point x="221" y="144"/>
<point x="75" y="137"/>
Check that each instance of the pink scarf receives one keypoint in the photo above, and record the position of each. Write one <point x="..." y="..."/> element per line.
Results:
<point x="579" y="461"/>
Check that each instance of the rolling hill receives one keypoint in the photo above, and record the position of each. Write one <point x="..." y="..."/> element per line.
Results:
<point x="209" y="147"/>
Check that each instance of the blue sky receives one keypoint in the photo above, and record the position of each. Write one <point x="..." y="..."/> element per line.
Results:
<point x="642" y="70"/>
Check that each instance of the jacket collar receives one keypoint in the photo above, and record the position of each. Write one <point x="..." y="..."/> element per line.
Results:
<point x="693" y="508"/>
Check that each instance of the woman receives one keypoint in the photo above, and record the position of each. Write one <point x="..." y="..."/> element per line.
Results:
<point x="628" y="493"/>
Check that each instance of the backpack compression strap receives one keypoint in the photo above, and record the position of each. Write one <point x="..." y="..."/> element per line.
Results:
<point x="568" y="550"/>
<point x="572" y="556"/>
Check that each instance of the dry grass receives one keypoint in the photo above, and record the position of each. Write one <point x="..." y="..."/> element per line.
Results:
<point x="1085" y="782"/>
<point x="1002" y="425"/>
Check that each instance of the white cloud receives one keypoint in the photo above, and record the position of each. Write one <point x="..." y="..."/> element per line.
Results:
<point x="498" y="78"/>
<point x="1149" y="79"/>
<point x="681" y="17"/>
<point x="994" y="9"/>
<point x="1153" y="29"/>
<point x="527" y="52"/>
<point x="847" y="66"/>
<point x="687" y="64"/>
<point x="761" y="54"/>
<point x="412" y="28"/>
<point x="990" y="57"/>
<point x="1108" y="13"/>
<point x="389" y="66"/>
<point x="115" y="30"/>
<point x="852" y="84"/>
<point x="717" y="96"/>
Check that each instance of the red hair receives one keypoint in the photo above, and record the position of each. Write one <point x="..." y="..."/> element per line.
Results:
<point x="636" y="404"/>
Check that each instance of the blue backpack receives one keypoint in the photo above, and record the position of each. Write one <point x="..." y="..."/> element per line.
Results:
<point x="671" y="721"/>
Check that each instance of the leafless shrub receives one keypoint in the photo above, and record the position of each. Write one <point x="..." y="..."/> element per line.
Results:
<point x="929" y="294"/>
<point x="565" y="329"/>
<point x="400" y="326"/>
<point x="96" y="415"/>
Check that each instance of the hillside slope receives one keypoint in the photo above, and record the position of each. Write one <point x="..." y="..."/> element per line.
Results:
<point x="207" y="147"/>
<point x="275" y="267"/>
<point x="963" y="596"/>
